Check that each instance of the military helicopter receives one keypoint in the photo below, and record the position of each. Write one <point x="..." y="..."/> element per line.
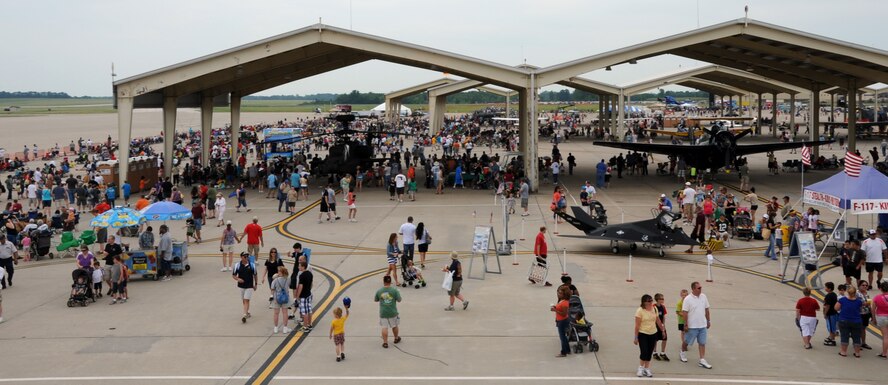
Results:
<point x="352" y="148"/>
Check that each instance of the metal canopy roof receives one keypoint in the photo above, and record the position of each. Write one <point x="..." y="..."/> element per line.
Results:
<point x="418" y="88"/>
<point x="460" y="86"/>
<point x="790" y="56"/>
<point x="711" y="87"/>
<point x="727" y="77"/>
<point x="295" y="55"/>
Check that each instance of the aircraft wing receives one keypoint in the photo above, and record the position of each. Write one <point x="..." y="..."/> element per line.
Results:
<point x="683" y="134"/>
<point x="687" y="151"/>
<point x="858" y="124"/>
<point x="759" y="148"/>
<point x="645" y="231"/>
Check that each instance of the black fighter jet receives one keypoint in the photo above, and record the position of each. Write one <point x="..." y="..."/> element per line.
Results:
<point x="658" y="232"/>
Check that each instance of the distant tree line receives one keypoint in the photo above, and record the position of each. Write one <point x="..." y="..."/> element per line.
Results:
<point x="357" y="97"/>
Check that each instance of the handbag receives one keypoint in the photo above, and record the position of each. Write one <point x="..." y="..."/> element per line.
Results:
<point x="766" y="233"/>
<point x="447" y="284"/>
<point x="428" y="238"/>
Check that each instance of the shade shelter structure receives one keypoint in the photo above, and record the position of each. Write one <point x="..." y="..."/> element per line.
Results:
<point x="166" y="211"/>
<point x="790" y="56"/>
<point x="225" y="77"/>
<point x="438" y="99"/>
<point x="393" y="99"/>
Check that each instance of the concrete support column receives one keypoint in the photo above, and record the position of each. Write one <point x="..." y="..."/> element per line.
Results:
<point x="235" y="125"/>
<point x="206" y="128"/>
<point x="852" y="114"/>
<point x="722" y="109"/>
<point x="169" y="133"/>
<point x="621" y="114"/>
<point x="523" y="125"/>
<point x="600" y="109"/>
<point x="774" y="115"/>
<point x="437" y="106"/>
<point x="814" y="119"/>
<point x="605" y="109"/>
<point x="792" y="114"/>
<point x="533" y="136"/>
<point x="124" y="135"/>
<point x="508" y="101"/>
<point x="758" y="129"/>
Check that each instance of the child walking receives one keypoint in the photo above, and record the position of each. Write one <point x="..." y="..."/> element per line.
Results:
<point x="352" y="208"/>
<point x="26" y="248"/>
<point x="98" y="275"/>
<point x="337" y="330"/>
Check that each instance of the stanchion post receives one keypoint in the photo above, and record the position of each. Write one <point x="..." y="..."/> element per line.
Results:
<point x="556" y="225"/>
<point x="564" y="256"/>
<point x="522" y="229"/>
<point x="630" y="269"/>
<point x="780" y="263"/>
<point x="515" y="254"/>
<point x="709" y="259"/>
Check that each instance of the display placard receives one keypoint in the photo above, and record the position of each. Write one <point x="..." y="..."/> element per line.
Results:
<point x="807" y="249"/>
<point x="481" y="239"/>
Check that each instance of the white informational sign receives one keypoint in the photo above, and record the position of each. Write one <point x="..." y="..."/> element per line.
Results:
<point x="807" y="249"/>
<point x="831" y="202"/>
<point x="869" y="206"/>
<point x="481" y="240"/>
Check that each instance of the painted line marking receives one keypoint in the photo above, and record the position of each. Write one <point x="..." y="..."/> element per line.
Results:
<point x="422" y="378"/>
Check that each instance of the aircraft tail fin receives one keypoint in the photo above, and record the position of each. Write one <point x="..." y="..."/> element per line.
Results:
<point x="580" y="219"/>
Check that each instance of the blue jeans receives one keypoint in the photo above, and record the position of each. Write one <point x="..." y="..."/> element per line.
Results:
<point x="408" y="254"/>
<point x="562" y="334"/>
<point x="772" y="249"/>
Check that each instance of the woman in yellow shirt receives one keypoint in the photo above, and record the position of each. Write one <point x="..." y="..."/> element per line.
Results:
<point x="646" y="324"/>
<point x="337" y="331"/>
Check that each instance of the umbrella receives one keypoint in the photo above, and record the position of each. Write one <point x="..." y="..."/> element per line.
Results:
<point x="166" y="211"/>
<point x="118" y="217"/>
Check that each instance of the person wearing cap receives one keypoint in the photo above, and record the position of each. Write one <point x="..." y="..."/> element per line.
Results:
<point x="226" y="246"/>
<point x="219" y="203"/>
<point x="875" y="250"/>
<point x="665" y="203"/>
<point x="8" y="259"/>
<point x="455" y="269"/>
<point x="767" y="223"/>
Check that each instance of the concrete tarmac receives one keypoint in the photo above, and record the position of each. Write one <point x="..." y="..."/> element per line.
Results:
<point x="189" y="331"/>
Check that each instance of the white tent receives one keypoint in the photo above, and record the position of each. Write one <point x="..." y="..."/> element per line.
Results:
<point x="381" y="110"/>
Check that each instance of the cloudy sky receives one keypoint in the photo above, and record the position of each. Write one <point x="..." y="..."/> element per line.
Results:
<point x="60" y="45"/>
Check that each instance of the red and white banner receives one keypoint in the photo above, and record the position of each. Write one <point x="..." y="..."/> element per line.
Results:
<point x="869" y="206"/>
<point x="806" y="155"/>
<point x="831" y="202"/>
<point x="852" y="164"/>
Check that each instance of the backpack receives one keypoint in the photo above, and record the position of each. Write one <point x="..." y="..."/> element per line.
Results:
<point x="281" y="296"/>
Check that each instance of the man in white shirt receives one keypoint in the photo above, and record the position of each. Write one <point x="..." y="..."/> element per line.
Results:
<point x="590" y="190"/>
<point x="556" y="168"/>
<point x="695" y="310"/>
<point x="687" y="202"/>
<point x="875" y="250"/>
<point x="408" y="233"/>
<point x="8" y="260"/>
<point x="32" y="195"/>
<point x="400" y="182"/>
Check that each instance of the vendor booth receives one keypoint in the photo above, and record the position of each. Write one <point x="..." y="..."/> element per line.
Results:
<point x="168" y="211"/>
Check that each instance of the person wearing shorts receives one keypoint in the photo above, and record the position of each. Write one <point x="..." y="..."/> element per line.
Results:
<point x="246" y="276"/>
<point x="876" y="251"/>
<point x="455" y="269"/>
<point x="388" y="298"/>
<point x="806" y="316"/>
<point x="830" y="314"/>
<point x="695" y="311"/>
<point x="302" y="293"/>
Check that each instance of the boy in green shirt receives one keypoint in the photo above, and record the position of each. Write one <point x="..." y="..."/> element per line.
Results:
<point x="681" y="320"/>
<point x="388" y="298"/>
<point x="411" y="189"/>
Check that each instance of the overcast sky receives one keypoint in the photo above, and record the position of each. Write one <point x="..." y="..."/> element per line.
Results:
<point x="69" y="45"/>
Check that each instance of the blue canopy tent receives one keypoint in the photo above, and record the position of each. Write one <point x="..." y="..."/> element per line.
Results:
<point x="841" y="192"/>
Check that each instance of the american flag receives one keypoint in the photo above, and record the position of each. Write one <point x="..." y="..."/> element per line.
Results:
<point x="852" y="164"/>
<point x="806" y="156"/>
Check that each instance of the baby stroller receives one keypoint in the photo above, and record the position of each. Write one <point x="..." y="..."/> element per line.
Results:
<point x="81" y="289"/>
<point x="40" y="243"/>
<point x="598" y="212"/>
<point x="742" y="225"/>
<point x="580" y="332"/>
<point x="409" y="276"/>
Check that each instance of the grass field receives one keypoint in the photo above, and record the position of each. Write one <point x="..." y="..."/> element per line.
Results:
<point x="104" y="105"/>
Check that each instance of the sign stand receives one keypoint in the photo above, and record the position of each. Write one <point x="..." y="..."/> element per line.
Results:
<point x="481" y="243"/>
<point x="802" y="248"/>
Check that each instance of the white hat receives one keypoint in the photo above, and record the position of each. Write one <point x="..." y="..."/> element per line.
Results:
<point x="765" y="216"/>
<point x="662" y="195"/>
<point x="228" y="222"/>
<point x="872" y="231"/>
<point x="687" y="183"/>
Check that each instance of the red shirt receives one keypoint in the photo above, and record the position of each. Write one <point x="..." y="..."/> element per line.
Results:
<point x="561" y="308"/>
<point x="102" y="207"/>
<point x="254" y="233"/>
<point x="808" y="306"/>
<point x="539" y="248"/>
